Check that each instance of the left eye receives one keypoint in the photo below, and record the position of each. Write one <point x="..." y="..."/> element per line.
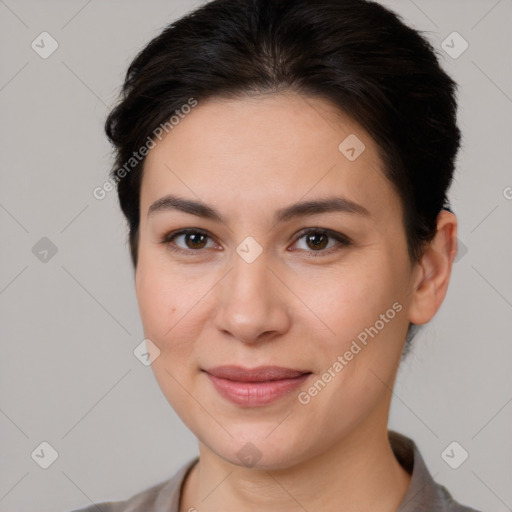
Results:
<point x="322" y="240"/>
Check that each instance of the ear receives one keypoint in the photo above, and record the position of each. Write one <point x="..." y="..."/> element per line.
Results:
<point x="433" y="271"/>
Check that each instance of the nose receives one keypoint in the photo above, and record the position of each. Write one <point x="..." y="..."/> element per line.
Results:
<point x="251" y="302"/>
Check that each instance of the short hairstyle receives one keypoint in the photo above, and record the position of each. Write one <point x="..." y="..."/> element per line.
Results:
<point x="355" y="53"/>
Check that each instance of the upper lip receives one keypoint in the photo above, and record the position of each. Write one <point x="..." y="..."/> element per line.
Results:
<point x="258" y="374"/>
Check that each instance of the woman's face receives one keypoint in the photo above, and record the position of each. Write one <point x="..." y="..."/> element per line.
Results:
<point x="321" y="290"/>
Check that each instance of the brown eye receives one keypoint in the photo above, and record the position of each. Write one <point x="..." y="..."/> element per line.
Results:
<point x="317" y="241"/>
<point x="195" y="240"/>
<point x="188" y="241"/>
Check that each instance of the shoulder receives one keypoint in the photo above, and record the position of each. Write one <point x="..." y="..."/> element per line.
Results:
<point x="447" y="503"/>
<point x="424" y="493"/>
<point x="164" y="495"/>
<point x="143" y="500"/>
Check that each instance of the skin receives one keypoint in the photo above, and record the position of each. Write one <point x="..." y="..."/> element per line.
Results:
<point x="295" y="306"/>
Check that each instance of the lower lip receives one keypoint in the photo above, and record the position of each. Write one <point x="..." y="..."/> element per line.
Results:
<point x="253" y="394"/>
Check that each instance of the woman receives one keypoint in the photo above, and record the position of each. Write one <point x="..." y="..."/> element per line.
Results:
<point x="283" y="167"/>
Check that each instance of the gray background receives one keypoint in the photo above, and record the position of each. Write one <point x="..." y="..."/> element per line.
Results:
<point x="70" y="324"/>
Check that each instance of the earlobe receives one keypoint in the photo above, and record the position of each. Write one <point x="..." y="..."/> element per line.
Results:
<point x="434" y="270"/>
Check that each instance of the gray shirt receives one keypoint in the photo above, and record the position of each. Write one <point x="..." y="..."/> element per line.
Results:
<point x="423" y="493"/>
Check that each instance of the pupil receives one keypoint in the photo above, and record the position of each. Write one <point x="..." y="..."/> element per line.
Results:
<point x="316" y="243"/>
<point x="195" y="239"/>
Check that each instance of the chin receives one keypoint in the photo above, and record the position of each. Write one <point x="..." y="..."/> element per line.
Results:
<point x="254" y="448"/>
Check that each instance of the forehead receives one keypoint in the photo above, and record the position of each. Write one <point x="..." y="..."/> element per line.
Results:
<point x="266" y="150"/>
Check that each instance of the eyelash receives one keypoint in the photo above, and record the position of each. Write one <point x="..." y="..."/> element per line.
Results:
<point x="343" y="240"/>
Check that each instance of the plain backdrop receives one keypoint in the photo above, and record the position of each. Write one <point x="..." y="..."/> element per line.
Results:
<point x="69" y="318"/>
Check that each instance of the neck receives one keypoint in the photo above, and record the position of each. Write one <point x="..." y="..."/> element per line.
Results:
<point x="360" y="472"/>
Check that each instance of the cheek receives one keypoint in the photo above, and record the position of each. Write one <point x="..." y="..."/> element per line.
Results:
<point x="363" y="306"/>
<point x="156" y="307"/>
<point x="160" y="300"/>
<point x="173" y="308"/>
<point x="350" y="299"/>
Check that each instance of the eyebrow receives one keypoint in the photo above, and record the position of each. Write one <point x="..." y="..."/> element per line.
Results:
<point x="200" y="209"/>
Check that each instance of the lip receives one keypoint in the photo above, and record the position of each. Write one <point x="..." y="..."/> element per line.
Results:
<point x="252" y="387"/>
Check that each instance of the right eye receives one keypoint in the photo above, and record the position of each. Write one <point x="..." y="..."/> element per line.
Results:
<point x="187" y="241"/>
